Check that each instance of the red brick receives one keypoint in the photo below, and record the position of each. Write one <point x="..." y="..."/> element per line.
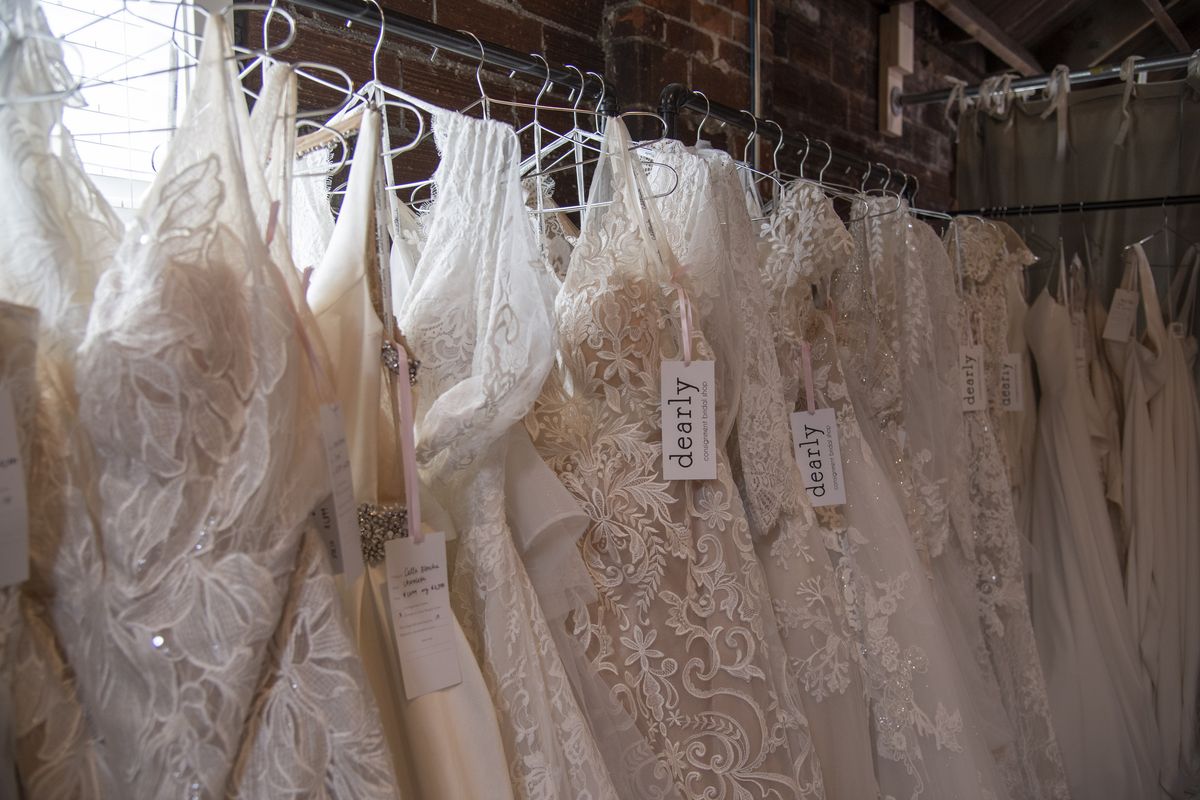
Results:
<point x="490" y="22"/>
<point x="637" y="21"/>
<point x="682" y="37"/>
<point x="713" y="18"/>
<point x="583" y="16"/>
<point x="730" y="88"/>
<point x="680" y="9"/>
<point x="564" y="47"/>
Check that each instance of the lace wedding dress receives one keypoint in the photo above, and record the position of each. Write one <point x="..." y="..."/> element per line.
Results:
<point x="981" y="257"/>
<point x="680" y="631"/>
<point x="475" y="317"/>
<point x="926" y="742"/>
<point x="1099" y="698"/>
<point x="926" y="460"/>
<point x="1162" y="466"/>
<point x="58" y="236"/>
<point x="201" y="587"/>
<point x="821" y="669"/>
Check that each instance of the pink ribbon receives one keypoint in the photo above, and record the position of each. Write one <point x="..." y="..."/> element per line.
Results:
<point x="806" y="361"/>
<point x="685" y="312"/>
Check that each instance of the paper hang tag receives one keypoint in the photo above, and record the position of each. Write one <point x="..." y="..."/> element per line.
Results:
<point x="1012" y="386"/>
<point x="819" y="455"/>
<point x="974" y="390"/>
<point x="14" y="505"/>
<point x="1122" y="315"/>
<point x="689" y="403"/>
<point x="422" y="625"/>
<point x="336" y="516"/>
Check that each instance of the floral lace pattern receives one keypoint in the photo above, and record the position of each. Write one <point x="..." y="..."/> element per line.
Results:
<point x="1000" y="579"/>
<point x="476" y="318"/>
<point x="201" y="593"/>
<point x="680" y="631"/>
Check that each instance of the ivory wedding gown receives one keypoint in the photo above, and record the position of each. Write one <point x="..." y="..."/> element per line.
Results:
<point x="680" y="631"/>
<point x="1099" y="697"/>
<point x="475" y="316"/>
<point x="980" y="253"/>
<point x="1161" y="450"/>
<point x="59" y="235"/>
<point x="926" y="742"/>
<point x="714" y="231"/>
<point x="200" y="584"/>
<point x="444" y="744"/>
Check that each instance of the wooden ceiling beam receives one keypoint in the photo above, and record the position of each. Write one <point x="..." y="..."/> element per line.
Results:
<point x="967" y="16"/>
<point x="1164" y="21"/>
<point x="1098" y="35"/>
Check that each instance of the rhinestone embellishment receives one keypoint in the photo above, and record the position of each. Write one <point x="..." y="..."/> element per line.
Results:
<point x="377" y="525"/>
<point x="391" y="360"/>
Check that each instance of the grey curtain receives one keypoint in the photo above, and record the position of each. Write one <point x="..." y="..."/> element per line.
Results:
<point x="1011" y="159"/>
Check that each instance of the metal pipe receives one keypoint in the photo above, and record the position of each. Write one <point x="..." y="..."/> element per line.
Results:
<point x="1033" y="84"/>
<point x="1090" y="205"/>
<point x="441" y="38"/>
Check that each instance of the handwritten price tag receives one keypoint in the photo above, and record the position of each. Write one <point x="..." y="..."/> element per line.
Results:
<point x="422" y="624"/>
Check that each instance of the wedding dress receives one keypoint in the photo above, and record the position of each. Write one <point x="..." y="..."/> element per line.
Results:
<point x="809" y="611"/>
<point x="680" y="631"/>
<point x="58" y="237"/>
<point x="475" y="317"/>
<point x="204" y="595"/>
<point x="925" y="745"/>
<point x="926" y="462"/>
<point x="444" y="744"/>
<point x="985" y="263"/>
<point x="1099" y="699"/>
<point x="1161" y="451"/>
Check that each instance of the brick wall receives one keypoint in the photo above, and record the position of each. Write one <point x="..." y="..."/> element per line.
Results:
<point x="819" y="66"/>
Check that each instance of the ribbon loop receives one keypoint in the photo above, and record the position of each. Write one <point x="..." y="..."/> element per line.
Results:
<point x="1058" y="91"/>
<point x="806" y="363"/>
<point x="1129" y="76"/>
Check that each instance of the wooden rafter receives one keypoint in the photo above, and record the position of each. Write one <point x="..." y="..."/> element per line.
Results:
<point x="1164" y="21"/>
<point x="984" y="30"/>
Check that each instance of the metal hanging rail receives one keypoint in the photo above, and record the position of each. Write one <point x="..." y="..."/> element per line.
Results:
<point x="1037" y="82"/>
<point x="451" y="41"/>
<point x="1092" y="205"/>
<point x="675" y="97"/>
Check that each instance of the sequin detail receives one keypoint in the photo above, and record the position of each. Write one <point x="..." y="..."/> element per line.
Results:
<point x="377" y="525"/>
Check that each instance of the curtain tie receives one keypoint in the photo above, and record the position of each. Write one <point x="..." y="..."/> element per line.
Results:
<point x="1129" y="76"/>
<point x="1058" y="91"/>
<point x="957" y="99"/>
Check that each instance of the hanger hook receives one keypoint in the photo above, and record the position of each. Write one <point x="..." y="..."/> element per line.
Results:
<point x="751" y="138"/>
<point x="828" y="161"/>
<point x="916" y="188"/>
<point x="804" y="157"/>
<point x="378" y="39"/>
<point x="704" y="119"/>
<point x="483" y="96"/>
<point x="582" y="86"/>
<point x="887" y="181"/>
<point x="862" y="187"/>
<point x="778" y="146"/>
<point x="600" y="100"/>
<point x="545" y="85"/>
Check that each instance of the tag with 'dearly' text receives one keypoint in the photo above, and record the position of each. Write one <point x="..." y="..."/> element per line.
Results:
<point x="974" y="391"/>
<point x="1012" y="387"/>
<point x="689" y="405"/>
<point x="336" y="516"/>
<point x="419" y="597"/>
<point x="819" y="455"/>
<point x="14" y="505"/>
<point x="1122" y="315"/>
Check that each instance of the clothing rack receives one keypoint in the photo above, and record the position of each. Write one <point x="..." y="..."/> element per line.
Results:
<point x="675" y="97"/>
<point x="445" y="39"/>
<point x="1091" y="205"/>
<point x="1039" y="82"/>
